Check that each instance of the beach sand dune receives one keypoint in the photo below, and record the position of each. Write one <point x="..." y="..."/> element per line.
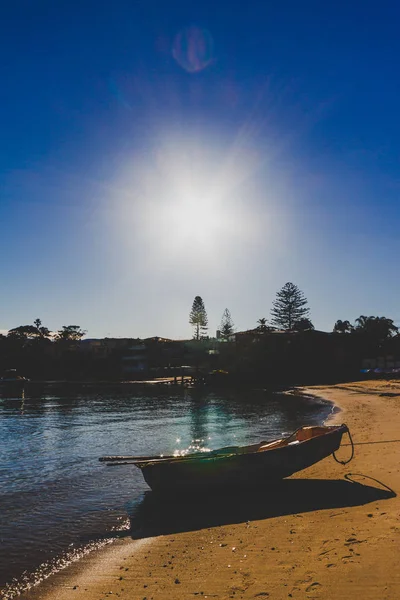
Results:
<point x="329" y="532"/>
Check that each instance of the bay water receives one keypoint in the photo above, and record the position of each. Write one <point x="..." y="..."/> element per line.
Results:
<point x="57" y="501"/>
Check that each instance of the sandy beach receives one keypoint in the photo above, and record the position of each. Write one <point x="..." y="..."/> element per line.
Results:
<point x="329" y="532"/>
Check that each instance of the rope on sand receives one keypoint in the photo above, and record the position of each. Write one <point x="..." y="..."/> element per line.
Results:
<point x="352" y="444"/>
<point x="345" y="462"/>
<point x="377" y="442"/>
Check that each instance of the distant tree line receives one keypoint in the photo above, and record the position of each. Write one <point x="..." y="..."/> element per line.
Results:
<point x="36" y="332"/>
<point x="380" y="328"/>
<point x="36" y="351"/>
<point x="289" y="312"/>
<point x="313" y="356"/>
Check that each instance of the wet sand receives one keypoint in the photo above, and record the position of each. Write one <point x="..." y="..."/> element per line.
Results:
<point x="329" y="532"/>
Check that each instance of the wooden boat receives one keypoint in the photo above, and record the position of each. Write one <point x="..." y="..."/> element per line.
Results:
<point x="257" y="465"/>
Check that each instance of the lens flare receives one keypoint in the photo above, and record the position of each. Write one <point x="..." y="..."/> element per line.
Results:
<point x="193" y="49"/>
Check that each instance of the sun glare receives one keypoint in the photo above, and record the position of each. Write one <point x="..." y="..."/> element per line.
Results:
<point x="195" y="220"/>
<point x="186" y="205"/>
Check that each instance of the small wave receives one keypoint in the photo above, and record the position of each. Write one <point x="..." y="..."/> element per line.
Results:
<point x="28" y="580"/>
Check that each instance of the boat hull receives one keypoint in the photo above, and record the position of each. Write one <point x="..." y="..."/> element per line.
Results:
<point x="253" y="469"/>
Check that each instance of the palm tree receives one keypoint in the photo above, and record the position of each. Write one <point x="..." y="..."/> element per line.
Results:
<point x="378" y="328"/>
<point x="343" y="327"/>
<point x="262" y="325"/>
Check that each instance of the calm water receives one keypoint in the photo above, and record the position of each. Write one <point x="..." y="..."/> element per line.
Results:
<point x="57" y="500"/>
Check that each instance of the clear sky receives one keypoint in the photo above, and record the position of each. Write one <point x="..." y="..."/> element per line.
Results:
<point x="152" y="151"/>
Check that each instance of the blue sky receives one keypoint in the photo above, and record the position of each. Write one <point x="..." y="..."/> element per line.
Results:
<point x="154" y="151"/>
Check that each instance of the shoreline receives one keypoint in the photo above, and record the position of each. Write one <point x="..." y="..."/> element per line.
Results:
<point x="330" y="534"/>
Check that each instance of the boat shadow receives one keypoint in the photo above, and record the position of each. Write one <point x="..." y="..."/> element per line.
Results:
<point x="157" y="515"/>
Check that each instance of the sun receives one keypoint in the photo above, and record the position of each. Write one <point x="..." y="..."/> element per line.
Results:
<point x="195" y="219"/>
<point x="187" y="207"/>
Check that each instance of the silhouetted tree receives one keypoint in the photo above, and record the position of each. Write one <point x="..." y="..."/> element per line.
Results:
<point x="70" y="333"/>
<point x="43" y="332"/>
<point x="198" y="318"/>
<point x="378" y="329"/>
<point x="262" y="323"/>
<point x="226" y="327"/>
<point x="342" y="327"/>
<point x="289" y="306"/>
<point x="28" y="333"/>
<point x="28" y="349"/>
<point x="263" y="326"/>
<point x="23" y="333"/>
<point x="303" y="325"/>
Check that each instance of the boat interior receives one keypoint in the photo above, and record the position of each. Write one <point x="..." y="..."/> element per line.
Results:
<point x="301" y="435"/>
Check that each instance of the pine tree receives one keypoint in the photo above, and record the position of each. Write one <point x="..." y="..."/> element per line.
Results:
<point x="198" y="318"/>
<point x="227" y="327"/>
<point x="289" y="306"/>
